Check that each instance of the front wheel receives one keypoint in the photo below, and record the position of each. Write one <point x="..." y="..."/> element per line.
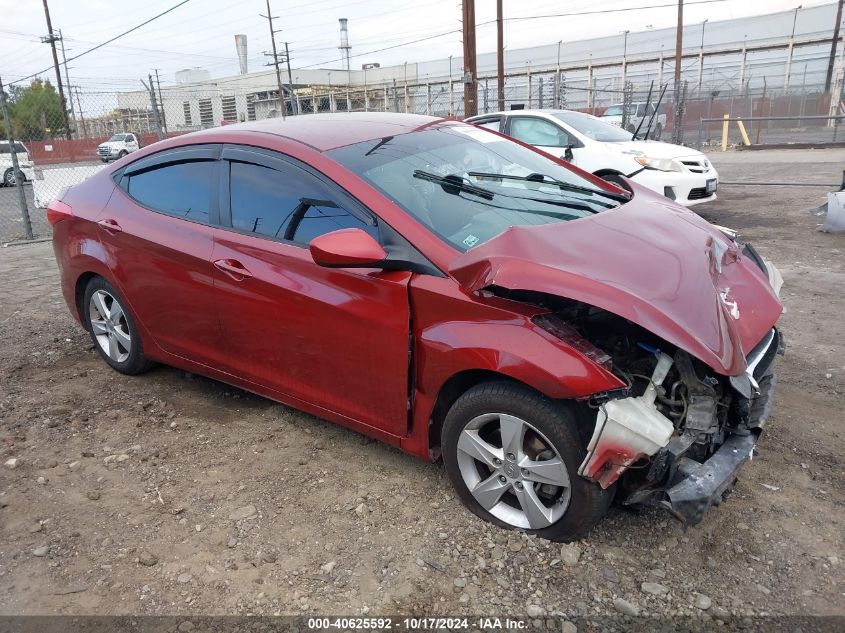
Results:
<point x="9" y="177"/>
<point x="513" y="455"/>
<point x="113" y="329"/>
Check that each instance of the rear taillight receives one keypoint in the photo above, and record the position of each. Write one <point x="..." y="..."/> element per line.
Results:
<point x="58" y="211"/>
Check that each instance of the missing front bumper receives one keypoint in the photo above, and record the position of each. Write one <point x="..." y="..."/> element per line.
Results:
<point x="693" y="486"/>
<point x="702" y="485"/>
<point x="696" y="486"/>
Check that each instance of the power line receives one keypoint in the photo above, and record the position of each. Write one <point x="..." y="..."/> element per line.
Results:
<point x="600" y="11"/>
<point x="521" y="18"/>
<point x="109" y="41"/>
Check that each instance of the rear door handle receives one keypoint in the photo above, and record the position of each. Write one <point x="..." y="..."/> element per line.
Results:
<point x="110" y="226"/>
<point x="233" y="268"/>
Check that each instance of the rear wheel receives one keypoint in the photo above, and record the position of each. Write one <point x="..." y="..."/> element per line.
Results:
<point x="9" y="177"/>
<point x="122" y="153"/>
<point x="513" y="454"/>
<point x="113" y="329"/>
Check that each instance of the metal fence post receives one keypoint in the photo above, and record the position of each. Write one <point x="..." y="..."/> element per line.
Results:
<point x="19" y="178"/>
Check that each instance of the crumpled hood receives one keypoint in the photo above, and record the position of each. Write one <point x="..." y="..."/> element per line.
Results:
<point x="649" y="261"/>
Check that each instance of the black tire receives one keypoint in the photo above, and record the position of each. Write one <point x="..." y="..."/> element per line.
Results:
<point x="121" y="154"/>
<point x="135" y="362"/>
<point x="105" y="160"/>
<point x="588" y="502"/>
<point x="612" y="177"/>
<point x="9" y="177"/>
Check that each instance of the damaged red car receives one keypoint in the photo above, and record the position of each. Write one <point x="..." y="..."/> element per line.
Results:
<point x="558" y="340"/>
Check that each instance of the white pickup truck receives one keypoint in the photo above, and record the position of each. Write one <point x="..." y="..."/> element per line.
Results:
<point x="118" y="146"/>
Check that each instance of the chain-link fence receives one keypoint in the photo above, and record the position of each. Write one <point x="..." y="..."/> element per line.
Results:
<point x="57" y="150"/>
<point x="56" y="147"/>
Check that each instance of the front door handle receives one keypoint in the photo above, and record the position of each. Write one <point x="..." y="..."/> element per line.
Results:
<point x="233" y="268"/>
<point x="110" y="226"/>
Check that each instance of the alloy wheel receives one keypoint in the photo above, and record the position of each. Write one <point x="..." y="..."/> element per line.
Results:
<point x="513" y="471"/>
<point x="109" y="325"/>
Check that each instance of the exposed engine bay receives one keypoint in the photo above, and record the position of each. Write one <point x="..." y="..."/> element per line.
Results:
<point x="677" y="434"/>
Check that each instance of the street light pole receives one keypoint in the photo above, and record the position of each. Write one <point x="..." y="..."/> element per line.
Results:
<point x="625" y="58"/>
<point x="701" y="55"/>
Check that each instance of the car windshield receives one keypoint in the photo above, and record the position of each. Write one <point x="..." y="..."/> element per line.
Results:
<point x="614" y="110"/>
<point x="592" y="127"/>
<point x="118" y="137"/>
<point x="469" y="185"/>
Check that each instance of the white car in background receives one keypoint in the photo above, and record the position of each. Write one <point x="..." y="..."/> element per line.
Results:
<point x="680" y="173"/>
<point x="118" y="146"/>
<point x="7" y="173"/>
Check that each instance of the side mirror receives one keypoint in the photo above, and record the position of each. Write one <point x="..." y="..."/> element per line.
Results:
<point x="347" y="248"/>
<point x="567" y="154"/>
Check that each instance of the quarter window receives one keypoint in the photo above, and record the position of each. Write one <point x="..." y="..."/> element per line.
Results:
<point x="286" y="203"/>
<point x="490" y="124"/>
<point x="183" y="190"/>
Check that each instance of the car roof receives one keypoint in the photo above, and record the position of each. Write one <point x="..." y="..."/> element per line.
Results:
<point x="535" y="111"/>
<point x="328" y="130"/>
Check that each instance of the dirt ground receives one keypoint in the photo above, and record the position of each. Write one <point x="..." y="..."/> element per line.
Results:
<point x="172" y="494"/>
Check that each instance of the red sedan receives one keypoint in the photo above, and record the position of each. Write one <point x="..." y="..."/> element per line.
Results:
<point x="558" y="340"/>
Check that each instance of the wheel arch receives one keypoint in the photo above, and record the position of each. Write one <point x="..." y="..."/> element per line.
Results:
<point x="79" y="294"/>
<point x="452" y="389"/>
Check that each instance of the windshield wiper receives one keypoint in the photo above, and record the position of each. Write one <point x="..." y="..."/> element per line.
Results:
<point x="542" y="178"/>
<point x="454" y="184"/>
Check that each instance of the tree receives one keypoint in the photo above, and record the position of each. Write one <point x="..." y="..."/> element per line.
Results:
<point x="36" y="111"/>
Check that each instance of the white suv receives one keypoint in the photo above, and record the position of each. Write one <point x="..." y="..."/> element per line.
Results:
<point x="7" y="173"/>
<point x="638" y="116"/>
<point x="118" y="146"/>
<point x="680" y="173"/>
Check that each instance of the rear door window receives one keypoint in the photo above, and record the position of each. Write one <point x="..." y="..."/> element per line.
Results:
<point x="183" y="190"/>
<point x="536" y="131"/>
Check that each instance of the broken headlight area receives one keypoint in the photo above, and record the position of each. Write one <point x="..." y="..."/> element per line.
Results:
<point x="678" y="435"/>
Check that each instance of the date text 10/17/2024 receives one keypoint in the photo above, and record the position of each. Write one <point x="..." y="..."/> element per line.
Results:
<point x="418" y="624"/>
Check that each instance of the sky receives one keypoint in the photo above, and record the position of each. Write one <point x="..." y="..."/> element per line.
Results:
<point x="201" y="32"/>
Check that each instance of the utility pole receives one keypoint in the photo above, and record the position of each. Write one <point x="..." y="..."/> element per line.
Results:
<point x="290" y="79"/>
<point x="27" y="224"/>
<point x="470" y="67"/>
<point x="679" y="42"/>
<point x="500" y="56"/>
<point x="152" y="91"/>
<point x="160" y="101"/>
<point x="81" y="113"/>
<point x="67" y="76"/>
<point x="269" y="18"/>
<point x="51" y="39"/>
<point x="679" y="46"/>
<point x="833" y="43"/>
